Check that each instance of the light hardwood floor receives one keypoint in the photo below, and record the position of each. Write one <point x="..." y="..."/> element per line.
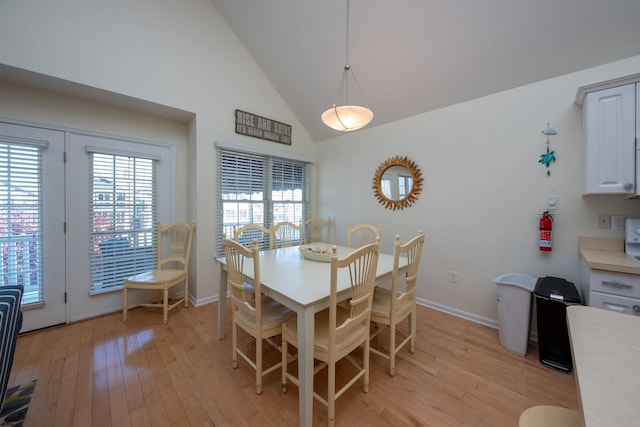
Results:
<point x="103" y="372"/>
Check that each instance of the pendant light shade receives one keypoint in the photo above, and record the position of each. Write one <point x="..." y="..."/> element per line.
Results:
<point x="345" y="116"/>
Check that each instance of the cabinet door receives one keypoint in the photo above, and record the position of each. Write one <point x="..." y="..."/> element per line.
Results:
<point x="609" y="132"/>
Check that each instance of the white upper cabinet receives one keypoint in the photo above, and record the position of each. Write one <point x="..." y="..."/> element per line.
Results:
<point x="609" y="130"/>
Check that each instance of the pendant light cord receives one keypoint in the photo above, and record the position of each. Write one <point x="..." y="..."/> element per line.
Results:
<point x="347" y="66"/>
<point x="348" y="117"/>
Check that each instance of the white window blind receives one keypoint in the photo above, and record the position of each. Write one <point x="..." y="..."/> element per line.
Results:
<point x="259" y="189"/>
<point x="123" y="218"/>
<point x="21" y="218"/>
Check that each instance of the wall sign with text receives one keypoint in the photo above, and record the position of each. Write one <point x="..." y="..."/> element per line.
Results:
<point x="263" y="128"/>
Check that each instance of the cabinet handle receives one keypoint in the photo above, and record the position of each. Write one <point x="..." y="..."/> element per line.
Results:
<point x="616" y="284"/>
<point x="628" y="186"/>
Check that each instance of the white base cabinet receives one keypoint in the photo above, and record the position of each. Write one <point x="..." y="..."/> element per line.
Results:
<point x="614" y="291"/>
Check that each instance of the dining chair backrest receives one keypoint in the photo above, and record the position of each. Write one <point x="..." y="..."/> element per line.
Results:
<point x="361" y="264"/>
<point x="247" y="234"/>
<point x="178" y="249"/>
<point x="412" y="250"/>
<point x="362" y="234"/>
<point x="316" y="230"/>
<point x="286" y="234"/>
<point x="238" y="257"/>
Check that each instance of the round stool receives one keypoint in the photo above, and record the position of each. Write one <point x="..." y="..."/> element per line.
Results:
<point x="547" y="416"/>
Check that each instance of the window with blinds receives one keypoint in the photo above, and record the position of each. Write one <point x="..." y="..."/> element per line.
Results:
<point x="21" y="218"/>
<point x="122" y="218"/>
<point x="259" y="189"/>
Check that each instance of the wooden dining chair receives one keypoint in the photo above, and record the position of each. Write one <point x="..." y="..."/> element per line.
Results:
<point x="362" y="234"/>
<point x="175" y="254"/>
<point x="316" y="230"/>
<point x="338" y="330"/>
<point x="391" y="306"/>
<point x="286" y="234"/>
<point x="247" y="234"/>
<point x="258" y="315"/>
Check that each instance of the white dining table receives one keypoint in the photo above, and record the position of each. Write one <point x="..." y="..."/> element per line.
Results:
<point x="303" y="286"/>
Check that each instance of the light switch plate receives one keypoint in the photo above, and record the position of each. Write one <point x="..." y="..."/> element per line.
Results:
<point x="553" y="203"/>
<point x="617" y="222"/>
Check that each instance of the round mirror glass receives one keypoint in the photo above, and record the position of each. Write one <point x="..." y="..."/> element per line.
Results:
<point x="397" y="183"/>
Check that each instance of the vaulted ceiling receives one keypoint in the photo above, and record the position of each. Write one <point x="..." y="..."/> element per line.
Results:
<point x="413" y="56"/>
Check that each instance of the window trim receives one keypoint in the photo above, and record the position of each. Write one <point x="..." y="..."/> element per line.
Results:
<point x="264" y="151"/>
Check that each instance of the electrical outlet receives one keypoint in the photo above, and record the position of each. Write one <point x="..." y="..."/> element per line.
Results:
<point x="604" y="221"/>
<point x="453" y="276"/>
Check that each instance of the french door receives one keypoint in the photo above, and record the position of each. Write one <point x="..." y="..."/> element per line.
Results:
<point x="32" y="215"/>
<point x="55" y="195"/>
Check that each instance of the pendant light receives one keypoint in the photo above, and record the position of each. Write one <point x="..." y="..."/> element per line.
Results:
<point x="348" y="117"/>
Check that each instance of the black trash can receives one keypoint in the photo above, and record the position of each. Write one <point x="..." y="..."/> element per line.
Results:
<point x="553" y="294"/>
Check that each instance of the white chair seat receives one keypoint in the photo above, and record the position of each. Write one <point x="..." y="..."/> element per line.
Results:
<point x="156" y="276"/>
<point x="321" y="332"/>
<point x="381" y="307"/>
<point x="273" y="313"/>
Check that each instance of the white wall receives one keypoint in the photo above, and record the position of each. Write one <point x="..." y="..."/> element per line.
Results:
<point x="483" y="189"/>
<point x="177" y="54"/>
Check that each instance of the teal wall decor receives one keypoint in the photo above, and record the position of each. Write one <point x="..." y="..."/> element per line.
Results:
<point x="550" y="156"/>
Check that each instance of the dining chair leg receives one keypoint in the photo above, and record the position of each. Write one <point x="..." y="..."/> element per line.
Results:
<point x="165" y="306"/>
<point x="392" y="349"/>
<point x="124" y="304"/>
<point x="331" y="393"/>
<point x="234" y="344"/>
<point x="365" y="362"/>
<point x="283" y="370"/>
<point x="186" y="292"/>
<point x="258" y="365"/>
<point x="412" y="330"/>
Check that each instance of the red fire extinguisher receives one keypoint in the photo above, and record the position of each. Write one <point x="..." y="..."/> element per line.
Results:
<point x="546" y="224"/>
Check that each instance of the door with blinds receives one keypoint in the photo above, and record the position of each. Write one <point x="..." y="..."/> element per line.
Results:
<point x="32" y="214"/>
<point x="118" y="191"/>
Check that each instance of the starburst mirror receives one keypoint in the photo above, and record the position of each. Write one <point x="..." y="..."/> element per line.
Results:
<point x="397" y="183"/>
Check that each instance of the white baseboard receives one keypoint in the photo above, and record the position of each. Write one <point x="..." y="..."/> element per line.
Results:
<point x="423" y="302"/>
<point x="458" y="313"/>
<point x="203" y="301"/>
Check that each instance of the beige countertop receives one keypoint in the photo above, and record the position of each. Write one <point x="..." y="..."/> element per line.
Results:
<point x="606" y="357"/>
<point x="607" y="254"/>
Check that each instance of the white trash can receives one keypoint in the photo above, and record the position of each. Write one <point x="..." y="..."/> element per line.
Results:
<point x="514" y="296"/>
